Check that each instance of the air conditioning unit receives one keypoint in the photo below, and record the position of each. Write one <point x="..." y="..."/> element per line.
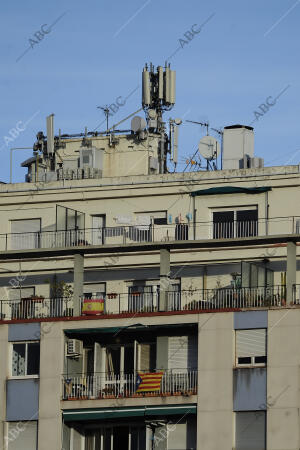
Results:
<point x="74" y="347"/>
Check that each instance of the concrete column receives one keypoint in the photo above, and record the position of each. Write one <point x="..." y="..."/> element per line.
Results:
<point x="291" y="270"/>
<point x="164" y="278"/>
<point x="78" y="282"/>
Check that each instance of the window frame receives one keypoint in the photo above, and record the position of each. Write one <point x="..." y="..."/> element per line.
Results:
<point x="25" y="376"/>
<point x="234" y="209"/>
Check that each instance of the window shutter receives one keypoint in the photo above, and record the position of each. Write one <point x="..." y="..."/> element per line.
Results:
<point x="145" y="357"/>
<point x="26" y="439"/>
<point x="24" y="292"/>
<point x="94" y="288"/>
<point x="250" y="430"/>
<point x="19" y="229"/>
<point x="26" y="226"/>
<point x="250" y="343"/>
<point x="182" y="352"/>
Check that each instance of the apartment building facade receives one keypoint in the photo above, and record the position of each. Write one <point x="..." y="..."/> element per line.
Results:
<point x="142" y="308"/>
<point x="190" y="279"/>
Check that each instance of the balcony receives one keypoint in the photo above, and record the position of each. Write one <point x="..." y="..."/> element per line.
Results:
<point x="147" y="303"/>
<point x="109" y="386"/>
<point x="154" y="233"/>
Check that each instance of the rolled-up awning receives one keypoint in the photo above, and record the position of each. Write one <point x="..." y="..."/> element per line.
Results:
<point x="230" y="190"/>
<point x="74" y="415"/>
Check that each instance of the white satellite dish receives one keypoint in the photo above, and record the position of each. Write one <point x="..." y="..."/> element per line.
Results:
<point x="209" y="148"/>
<point x="138" y="124"/>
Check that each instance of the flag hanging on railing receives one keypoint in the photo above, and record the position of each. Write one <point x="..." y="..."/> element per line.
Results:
<point x="148" y="382"/>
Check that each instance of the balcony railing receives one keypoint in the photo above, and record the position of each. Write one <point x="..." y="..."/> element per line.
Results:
<point x="134" y="303"/>
<point x="152" y="233"/>
<point x="104" y="386"/>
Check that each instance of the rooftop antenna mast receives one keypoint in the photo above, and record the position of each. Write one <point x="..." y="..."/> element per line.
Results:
<point x="220" y="132"/>
<point x="105" y="109"/>
<point x="158" y="95"/>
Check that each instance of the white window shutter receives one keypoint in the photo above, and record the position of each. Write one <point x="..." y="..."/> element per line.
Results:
<point x="25" y="233"/>
<point x="250" y="343"/>
<point x="26" y="439"/>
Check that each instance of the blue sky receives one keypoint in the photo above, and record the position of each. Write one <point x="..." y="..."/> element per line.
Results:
<point x="95" y="52"/>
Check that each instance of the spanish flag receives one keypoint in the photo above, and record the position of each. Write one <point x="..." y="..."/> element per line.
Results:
<point x="148" y="382"/>
<point x="93" y="306"/>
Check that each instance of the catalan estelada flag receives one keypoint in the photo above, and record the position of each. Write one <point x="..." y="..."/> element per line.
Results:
<point x="148" y="382"/>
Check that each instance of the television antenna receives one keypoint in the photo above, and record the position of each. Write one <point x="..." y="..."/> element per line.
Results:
<point x="190" y="161"/>
<point x="203" y="124"/>
<point x="106" y="111"/>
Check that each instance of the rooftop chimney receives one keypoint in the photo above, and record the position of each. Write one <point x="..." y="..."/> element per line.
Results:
<point x="238" y="145"/>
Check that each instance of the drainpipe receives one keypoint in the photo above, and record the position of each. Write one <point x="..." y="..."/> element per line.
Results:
<point x="194" y="218"/>
<point x="267" y="212"/>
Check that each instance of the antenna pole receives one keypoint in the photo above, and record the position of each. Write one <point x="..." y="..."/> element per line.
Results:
<point x="220" y="133"/>
<point x="105" y="109"/>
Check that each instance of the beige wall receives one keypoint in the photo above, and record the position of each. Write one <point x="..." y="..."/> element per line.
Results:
<point x="4" y="352"/>
<point x="215" y="396"/>
<point x="283" y="378"/>
<point x="51" y="369"/>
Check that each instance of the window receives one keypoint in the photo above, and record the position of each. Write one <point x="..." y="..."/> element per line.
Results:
<point x="159" y="217"/>
<point x="235" y="223"/>
<point x="140" y="298"/>
<point x="120" y="359"/>
<point x="25" y="358"/>
<point x="250" y="430"/>
<point x="22" y="435"/>
<point x="98" y="229"/>
<point x="255" y="275"/>
<point x="251" y="347"/>
<point x="19" y="307"/>
<point x="25" y="234"/>
<point x="94" y="290"/>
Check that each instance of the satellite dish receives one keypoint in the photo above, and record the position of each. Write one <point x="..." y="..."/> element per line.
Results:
<point x="209" y="148"/>
<point x="152" y="114"/>
<point x="138" y="124"/>
<point x="178" y="121"/>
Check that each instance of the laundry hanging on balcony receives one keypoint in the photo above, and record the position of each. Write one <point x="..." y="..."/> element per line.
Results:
<point x="149" y="382"/>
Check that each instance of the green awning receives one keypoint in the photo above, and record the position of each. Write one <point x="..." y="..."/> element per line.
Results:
<point x="230" y="190"/>
<point x="73" y="332"/>
<point x="74" y="415"/>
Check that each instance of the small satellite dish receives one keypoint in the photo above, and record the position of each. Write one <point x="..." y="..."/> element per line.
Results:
<point x="178" y="121"/>
<point x="209" y="148"/>
<point x="138" y="124"/>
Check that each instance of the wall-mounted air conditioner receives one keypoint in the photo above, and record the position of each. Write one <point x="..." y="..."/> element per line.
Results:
<point x="74" y="348"/>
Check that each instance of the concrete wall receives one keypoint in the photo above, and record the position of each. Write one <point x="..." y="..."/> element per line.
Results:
<point x="283" y="378"/>
<point x="4" y="351"/>
<point x="215" y="395"/>
<point x="51" y="368"/>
